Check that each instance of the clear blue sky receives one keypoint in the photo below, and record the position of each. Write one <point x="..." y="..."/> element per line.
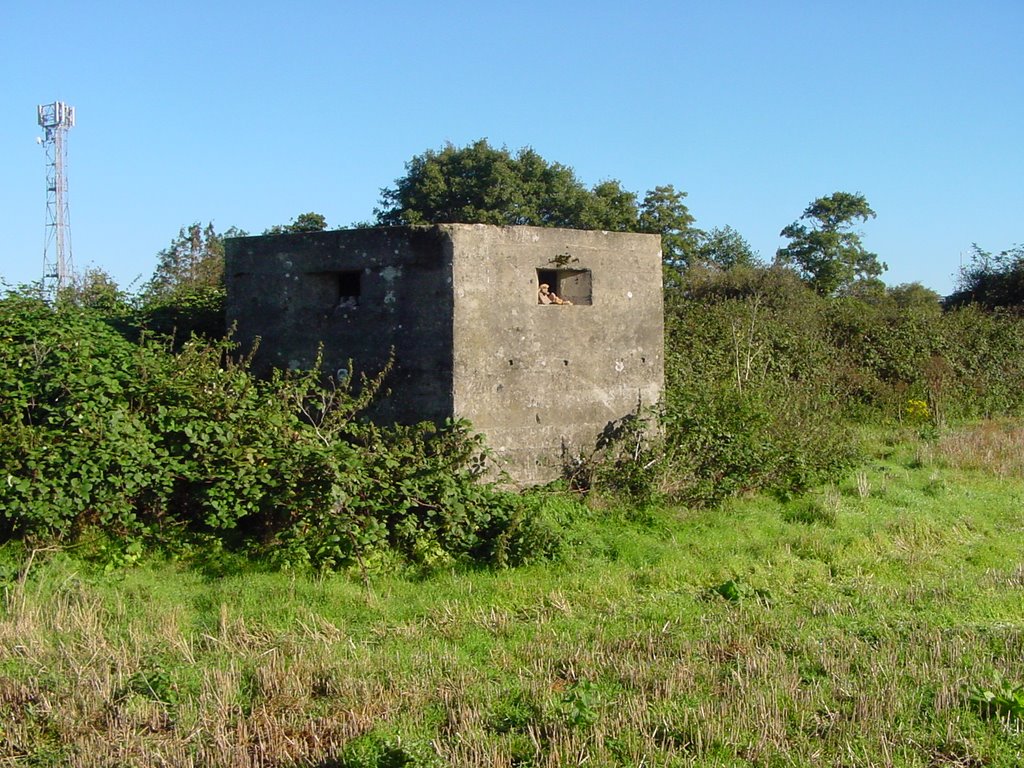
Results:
<point x="249" y="113"/>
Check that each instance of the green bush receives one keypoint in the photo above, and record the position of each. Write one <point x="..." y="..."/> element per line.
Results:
<point x="755" y="400"/>
<point x="982" y="355"/>
<point x="145" y="442"/>
<point x="185" y="312"/>
<point x="764" y="377"/>
<point x="726" y="442"/>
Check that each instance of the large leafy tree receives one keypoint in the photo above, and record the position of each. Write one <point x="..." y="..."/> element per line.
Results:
<point x="483" y="185"/>
<point x="480" y="184"/>
<point x="827" y="251"/>
<point x="725" y="248"/>
<point x="609" y="207"/>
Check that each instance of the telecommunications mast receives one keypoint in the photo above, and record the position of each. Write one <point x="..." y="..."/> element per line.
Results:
<point x="58" y="270"/>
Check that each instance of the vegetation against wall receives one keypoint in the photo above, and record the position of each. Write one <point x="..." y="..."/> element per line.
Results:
<point x="149" y="443"/>
<point x="766" y="377"/>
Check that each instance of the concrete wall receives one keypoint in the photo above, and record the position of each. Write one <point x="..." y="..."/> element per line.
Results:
<point x="543" y="381"/>
<point x="289" y="290"/>
<point x="458" y="302"/>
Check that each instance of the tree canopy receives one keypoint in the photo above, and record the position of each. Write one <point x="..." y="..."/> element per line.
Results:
<point x="827" y="252"/>
<point x="304" y="222"/>
<point x="725" y="248"/>
<point x="194" y="259"/>
<point x="480" y="184"/>
<point x="664" y="213"/>
<point x="991" y="280"/>
<point x="186" y="293"/>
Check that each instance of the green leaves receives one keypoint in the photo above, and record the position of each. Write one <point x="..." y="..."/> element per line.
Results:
<point x="991" y="280"/>
<point x="1002" y="700"/>
<point x="479" y="184"/>
<point x="828" y="254"/>
<point x="195" y="258"/>
<point x="664" y="213"/>
<point x="304" y="222"/>
<point x="736" y="591"/>
<point x="148" y="443"/>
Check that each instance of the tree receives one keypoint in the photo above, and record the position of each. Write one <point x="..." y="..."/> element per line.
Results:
<point x="828" y="254"/>
<point x="94" y="288"/>
<point x="609" y="207"/>
<point x="725" y="248"/>
<point x="479" y="184"/>
<point x="914" y="297"/>
<point x="194" y="259"/>
<point x="664" y="213"/>
<point x="304" y="222"/>
<point x="991" y="280"/>
<point x="186" y="294"/>
<point x="483" y="185"/>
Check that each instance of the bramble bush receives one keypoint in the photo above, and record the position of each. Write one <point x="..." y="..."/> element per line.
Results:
<point x="149" y="443"/>
<point x="752" y="399"/>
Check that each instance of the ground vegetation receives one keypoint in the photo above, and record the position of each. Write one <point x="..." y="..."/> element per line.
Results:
<point x="872" y="621"/>
<point x="163" y="445"/>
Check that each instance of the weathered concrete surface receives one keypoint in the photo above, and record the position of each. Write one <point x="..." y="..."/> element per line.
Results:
<point x="542" y="382"/>
<point x="458" y="303"/>
<point x="284" y="290"/>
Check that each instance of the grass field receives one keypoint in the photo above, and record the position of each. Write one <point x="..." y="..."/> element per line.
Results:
<point x="879" y="622"/>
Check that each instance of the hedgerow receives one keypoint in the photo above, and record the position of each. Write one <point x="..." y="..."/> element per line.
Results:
<point x="765" y="381"/>
<point x="107" y="424"/>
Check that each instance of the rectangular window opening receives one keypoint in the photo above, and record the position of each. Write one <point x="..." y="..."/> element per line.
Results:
<point x="570" y="286"/>
<point x="350" y="285"/>
<point x="337" y="290"/>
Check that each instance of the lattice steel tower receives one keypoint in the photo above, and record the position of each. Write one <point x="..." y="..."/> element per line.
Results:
<point x="58" y="269"/>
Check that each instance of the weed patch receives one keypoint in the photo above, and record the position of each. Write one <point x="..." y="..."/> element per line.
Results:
<point x="995" y="447"/>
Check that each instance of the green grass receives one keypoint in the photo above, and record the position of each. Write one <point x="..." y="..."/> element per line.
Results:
<point x="859" y="625"/>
